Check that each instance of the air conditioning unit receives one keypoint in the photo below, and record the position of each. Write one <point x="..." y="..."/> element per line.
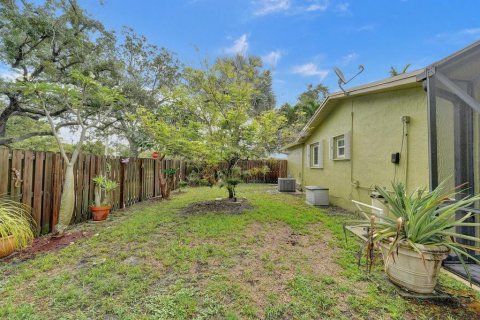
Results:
<point x="317" y="196"/>
<point x="286" y="184"/>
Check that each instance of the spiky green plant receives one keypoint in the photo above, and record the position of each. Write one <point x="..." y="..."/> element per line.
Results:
<point x="102" y="183"/>
<point x="421" y="218"/>
<point x="16" y="221"/>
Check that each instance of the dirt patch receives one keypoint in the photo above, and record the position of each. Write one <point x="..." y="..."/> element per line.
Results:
<point x="217" y="206"/>
<point x="337" y="211"/>
<point x="275" y="253"/>
<point x="47" y="244"/>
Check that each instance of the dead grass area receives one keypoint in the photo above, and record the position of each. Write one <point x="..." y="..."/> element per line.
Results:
<point x="46" y="244"/>
<point x="274" y="258"/>
<point x="226" y="206"/>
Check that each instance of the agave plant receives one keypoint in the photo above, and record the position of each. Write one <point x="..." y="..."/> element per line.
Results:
<point x="16" y="221"/>
<point x="421" y="218"/>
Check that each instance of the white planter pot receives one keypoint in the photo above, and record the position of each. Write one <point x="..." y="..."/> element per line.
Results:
<point x="409" y="271"/>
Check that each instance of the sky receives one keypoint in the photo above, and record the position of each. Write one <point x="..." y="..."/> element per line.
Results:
<point x="301" y="41"/>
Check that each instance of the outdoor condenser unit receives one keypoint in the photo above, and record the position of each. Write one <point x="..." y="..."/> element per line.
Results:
<point x="286" y="185"/>
<point x="317" y="196"/>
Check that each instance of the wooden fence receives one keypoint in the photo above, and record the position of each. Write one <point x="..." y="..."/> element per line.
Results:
<point x="276" y="169"/>
<point x="36" y="178"/>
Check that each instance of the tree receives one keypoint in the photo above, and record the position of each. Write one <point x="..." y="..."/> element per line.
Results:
<point x="146" y="72"/>
<point x="169" y="132"/>
<point x="298" y="115"/>
<point x="220" y="99"/>
<point x="249" y="69"/>
<point x="394" y="72"/>
<point x="87" y="103"/>
<point x="311" y="99"/>
<point x="16" y="128"/>
<point x="43" y="42"/>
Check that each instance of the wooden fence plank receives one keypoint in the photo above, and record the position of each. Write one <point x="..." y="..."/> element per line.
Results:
<point x="86" y="188"/>
<point x="78" y="172"/>
<point x="47" y="193"/>
<point x="16" y="175"/>
<point x="27" y="185"/>
<point x="58" y="173"/>
<point x="38" y="190"/>
<point x="4" y="170"/>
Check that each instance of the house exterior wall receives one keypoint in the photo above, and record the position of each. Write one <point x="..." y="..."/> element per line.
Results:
<point x="376" y="128"/>
<point x="294" y="164"/>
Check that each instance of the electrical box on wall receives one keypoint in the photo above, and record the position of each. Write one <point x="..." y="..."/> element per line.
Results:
<point x="396" y="157"/>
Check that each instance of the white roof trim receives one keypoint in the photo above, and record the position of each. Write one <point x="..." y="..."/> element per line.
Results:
<point x="385" y="84"/>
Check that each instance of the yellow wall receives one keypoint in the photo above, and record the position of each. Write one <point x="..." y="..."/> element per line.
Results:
<point x="375" y="123"/>
<point x="294" y="165"/>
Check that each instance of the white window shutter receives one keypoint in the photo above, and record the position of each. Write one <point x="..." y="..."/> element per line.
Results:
<point x="348" y="145"/>
<point x="331" y="149"/>
<point x="320" y="154"/>
<point x="309" y="147"/>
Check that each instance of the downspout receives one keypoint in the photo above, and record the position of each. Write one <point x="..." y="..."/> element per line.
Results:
<point x="406" y="123"/>
<point x="354" y="184"/>
<point x="303" y="167"/>
<point x="351" y="148"/>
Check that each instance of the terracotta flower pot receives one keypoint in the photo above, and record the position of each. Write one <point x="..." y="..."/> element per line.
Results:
<point x="409" y="271"/>
<point x="7" y="246"/>
<point x="100" y="213"/>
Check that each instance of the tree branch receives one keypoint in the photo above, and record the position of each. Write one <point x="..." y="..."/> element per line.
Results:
<point x="7" y="141"/>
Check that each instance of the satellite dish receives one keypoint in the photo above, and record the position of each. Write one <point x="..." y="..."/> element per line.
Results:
<point x="342" y="80"/>
<point x="339" y="73"/>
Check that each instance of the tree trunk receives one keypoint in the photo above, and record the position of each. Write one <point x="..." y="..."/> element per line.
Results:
<point x="231" y="192"/>
<point x="170" y="183"/>
<point x="67" y="203"/>
<point x="98" y="196"/>
<point x="4" y="116"/>
<point x="133" y="148"/>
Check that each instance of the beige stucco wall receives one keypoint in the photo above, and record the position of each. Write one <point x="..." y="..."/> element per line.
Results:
<point x="375" y="123"/>
<point x="294" y="165"/>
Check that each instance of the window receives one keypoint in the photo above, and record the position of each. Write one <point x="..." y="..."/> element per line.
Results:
<point x="340" y="146"/>
<point x="314" y="155"/>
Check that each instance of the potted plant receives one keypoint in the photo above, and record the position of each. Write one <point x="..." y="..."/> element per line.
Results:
<point x="101" y="208"/>
<point x="418" y="234"/>
<point x="16" y="227"/>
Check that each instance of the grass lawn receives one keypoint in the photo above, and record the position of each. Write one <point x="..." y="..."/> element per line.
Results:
<point x="280" y="260"/>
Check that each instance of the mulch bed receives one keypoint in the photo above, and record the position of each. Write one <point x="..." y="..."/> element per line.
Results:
<point x="46" y="244"/>
<point x="217" y="206"/>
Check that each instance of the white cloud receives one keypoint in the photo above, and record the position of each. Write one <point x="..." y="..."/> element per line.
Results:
<point x="271" y="6"/>
<point x="365" y="28"/>
<point x="343" y="7"/>
<point x="240" y="46"/>
<point x="317" y="6"/>
<point x="272" y="58"/>
<point x="458" y="37"/>
<point x="265" y="7"/>
<point x="346" y="60"/>
<point x="472" y="31"/>
<point x="310" y="70"/>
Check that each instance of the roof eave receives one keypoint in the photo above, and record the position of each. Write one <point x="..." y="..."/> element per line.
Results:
<point x="377" y="86"/>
